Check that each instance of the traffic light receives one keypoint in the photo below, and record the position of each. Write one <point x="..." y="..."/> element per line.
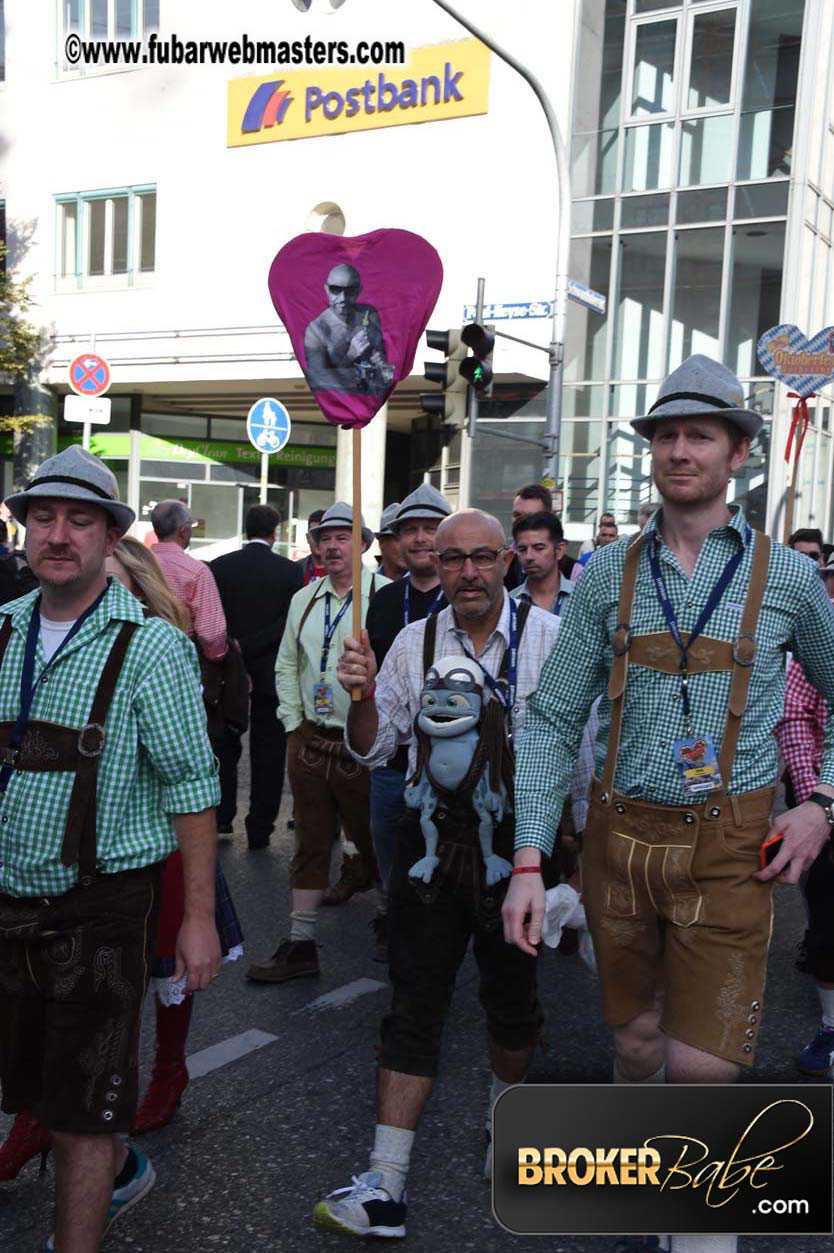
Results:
<point x="477" y="369"/>
<point x="450" y="403"/>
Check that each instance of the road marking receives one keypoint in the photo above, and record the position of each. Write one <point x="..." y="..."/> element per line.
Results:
<point x="343" y="996"/>
<point x="226" y="1051"/>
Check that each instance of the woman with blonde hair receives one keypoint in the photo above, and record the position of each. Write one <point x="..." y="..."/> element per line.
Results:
<point x="135" y="565"/>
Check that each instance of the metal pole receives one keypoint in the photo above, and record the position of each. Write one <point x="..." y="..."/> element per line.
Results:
<point x="85" y="429"/>
<point x="264" y="476"/>
<point x="473" y="395"/>
<point x="556" y="350"/>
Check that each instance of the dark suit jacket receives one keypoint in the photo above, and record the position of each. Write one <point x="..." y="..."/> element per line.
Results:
<point x="256" y="587"/>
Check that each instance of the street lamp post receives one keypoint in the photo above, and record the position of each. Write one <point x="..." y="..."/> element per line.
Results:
<point x="556" y="350"/>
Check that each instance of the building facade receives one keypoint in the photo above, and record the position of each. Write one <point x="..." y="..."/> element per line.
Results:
<point x="148" y="201"/>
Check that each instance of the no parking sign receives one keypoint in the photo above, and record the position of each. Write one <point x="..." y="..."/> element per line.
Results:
<point x="89" y="375"/>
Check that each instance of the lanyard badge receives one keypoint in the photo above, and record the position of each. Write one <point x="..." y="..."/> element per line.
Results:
<point x="323" y="697"/>
<point x="504" y="692"/>
<point x="694" y="754"/>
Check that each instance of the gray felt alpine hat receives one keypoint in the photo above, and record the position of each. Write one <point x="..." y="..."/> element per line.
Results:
<point x="389" y="513"/>
<point x="73" y="474"/>
<point x="341" y="515"/>
<point x="424" y="502"/>
<point x="700" y="387"/>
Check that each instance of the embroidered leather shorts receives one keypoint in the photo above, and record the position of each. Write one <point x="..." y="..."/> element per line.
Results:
<point x="73" y="975"/>
<point x="674" y="911"/>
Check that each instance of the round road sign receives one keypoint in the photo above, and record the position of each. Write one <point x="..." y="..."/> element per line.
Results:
<point x="89" y="375"/>
<point x="268" y="425"/>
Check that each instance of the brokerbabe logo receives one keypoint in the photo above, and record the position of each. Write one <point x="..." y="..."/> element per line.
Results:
<point x="440" y="82"/>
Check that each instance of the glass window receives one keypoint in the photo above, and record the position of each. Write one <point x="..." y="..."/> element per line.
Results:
<point x="755" y="292"/>
<point x="762" y="200"/>
<point x="2" y="43"/>
<point x="592" y="215"/>
<point x="709" y="205"/>
<point x="579" y="469"/>
<point x="120" y="235"/>
<point x="598" y="86"/>
<point x="649" y="157"/>
<point x="594" y="163"/>
<point x="638" y="312"/>
<point x="652" y="87"/>
<point x="636" y="211"/>
<point x="590" y="263"/>
<point x="765" y="143"/>
<point x="773" y="43"/>
<point x="631" y="400"/>
<point x="629" y="469"/>
<point x="711" y="64"/>
<point x="72" y="15"/>
<point x="824" y="218"/>
<point x="98" y="19"/>
<point x="696" y="294"/>
<point x="583" y="402"/>
<point x="646" y="6"/>
<point x="69" y="227"/>
<point x="124" y="19"/>
<point x="96" y="220"/>
<point x="705" y="150"/>
<point x="147" y="232"/>
<point x="151" y="15"/>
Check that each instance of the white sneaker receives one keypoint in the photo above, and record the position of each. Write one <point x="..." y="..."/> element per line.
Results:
<point x="363" y="1209"/>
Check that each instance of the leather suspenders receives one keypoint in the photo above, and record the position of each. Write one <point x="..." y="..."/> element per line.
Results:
<point x="737" y="657"/>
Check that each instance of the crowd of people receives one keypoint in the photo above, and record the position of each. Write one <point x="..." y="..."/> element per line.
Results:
<point x="512" y="723"/>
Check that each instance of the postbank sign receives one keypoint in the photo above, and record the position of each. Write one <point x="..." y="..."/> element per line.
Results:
<point x="439" y="82"/>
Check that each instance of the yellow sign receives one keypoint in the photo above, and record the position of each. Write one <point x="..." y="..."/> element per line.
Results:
<point x="439" y="82"/>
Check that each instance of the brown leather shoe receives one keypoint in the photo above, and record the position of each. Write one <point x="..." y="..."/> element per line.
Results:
<point x="293" y="959"/>
<point x="353" y="878"/>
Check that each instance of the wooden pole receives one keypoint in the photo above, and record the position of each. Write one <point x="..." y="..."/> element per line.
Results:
<point x="791" y="497"/>
<point x="357" y="542"/>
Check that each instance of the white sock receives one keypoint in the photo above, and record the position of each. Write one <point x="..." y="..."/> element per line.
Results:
<point x="391" y="1156"/>
<point x="659" y="1076"/>
<point x="496" y="1088"/>
<point x="303" y="924"/>
<point x="349" y="849"/>
<point x="827" y="1004"/>
<point x="704" y="1244"/>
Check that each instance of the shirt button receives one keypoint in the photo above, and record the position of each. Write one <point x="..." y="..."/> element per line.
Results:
<point x="45" y="679"/>
<point x="4" y="818"/>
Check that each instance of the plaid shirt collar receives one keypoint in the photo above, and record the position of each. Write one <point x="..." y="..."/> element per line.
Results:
<point x="502" y="627"/>
<point x="117" y="605"/>
<point x="737" y="523"/>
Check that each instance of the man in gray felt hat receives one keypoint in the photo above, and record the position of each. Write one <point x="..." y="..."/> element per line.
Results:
<point x="105" y="767"/>
<point x="390" y="560"/>
<point x="685" y="628"/>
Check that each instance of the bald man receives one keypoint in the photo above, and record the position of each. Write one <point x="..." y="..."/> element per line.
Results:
<point x="343" y="346"/>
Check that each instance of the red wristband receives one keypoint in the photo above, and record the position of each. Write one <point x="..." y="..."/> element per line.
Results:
<point x="527" y="869"/>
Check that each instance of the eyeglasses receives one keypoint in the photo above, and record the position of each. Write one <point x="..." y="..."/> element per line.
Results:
<point x="482" y="558"/>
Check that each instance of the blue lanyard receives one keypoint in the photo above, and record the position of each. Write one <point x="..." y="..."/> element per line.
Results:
<point x="329" y="631"/>
<point x="706" y="613"/>
<point x="28" y="684"/>
<point x="433" y="607"/>
<point x="506" y="697"/>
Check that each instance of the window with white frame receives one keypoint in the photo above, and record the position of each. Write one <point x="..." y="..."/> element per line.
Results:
<point x="109" y="19"/>
<point x="105" y="238"/>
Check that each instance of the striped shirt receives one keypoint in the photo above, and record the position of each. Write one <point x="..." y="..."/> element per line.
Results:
<point x="796" y="615"/>
<point x="194" y="584"/>
<point x="400" y="681"/>
<point x="156" y="760"/>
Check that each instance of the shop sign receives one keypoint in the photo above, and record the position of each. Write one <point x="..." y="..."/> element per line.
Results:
<point x="439" y="82"/>
<point x="153" y="448"/>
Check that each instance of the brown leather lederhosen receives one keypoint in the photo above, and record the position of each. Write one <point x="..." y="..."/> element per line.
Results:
<point x="668" y="889"/>
<point x="50" y="746"/>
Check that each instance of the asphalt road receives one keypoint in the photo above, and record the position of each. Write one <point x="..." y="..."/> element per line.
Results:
<point x="260" y="1139"/>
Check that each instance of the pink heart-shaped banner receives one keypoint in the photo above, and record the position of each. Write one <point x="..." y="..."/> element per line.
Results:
<point x="355" y="309"/>
<point x="805" y="365"/>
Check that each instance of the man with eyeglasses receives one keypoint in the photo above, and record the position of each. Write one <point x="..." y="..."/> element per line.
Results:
<point x="808" y="540"/>
<point x="429" y="927"/>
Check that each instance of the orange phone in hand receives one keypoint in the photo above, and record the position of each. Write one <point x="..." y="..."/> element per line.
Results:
<point x="769" y="849"/>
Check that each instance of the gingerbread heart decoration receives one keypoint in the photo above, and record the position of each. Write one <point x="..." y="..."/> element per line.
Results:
<point x="805" y="365"/>
<point x="355" y="309"/>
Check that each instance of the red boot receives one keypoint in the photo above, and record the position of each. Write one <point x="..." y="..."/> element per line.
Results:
<point x="170" y="1077"/>
<point x="26" y="1139"/>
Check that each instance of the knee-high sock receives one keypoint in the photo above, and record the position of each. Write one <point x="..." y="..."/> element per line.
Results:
<point x="659" y="1076"/>
<point x="391" y="1156"/>
<point x="704" y="1244"/>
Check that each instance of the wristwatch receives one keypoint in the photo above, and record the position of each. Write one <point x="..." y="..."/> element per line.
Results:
<point x="826" y="804"/>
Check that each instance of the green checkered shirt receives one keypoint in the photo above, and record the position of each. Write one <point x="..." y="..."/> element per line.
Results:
<point x="156" y="760"/>
<point x="796" y="615"/>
